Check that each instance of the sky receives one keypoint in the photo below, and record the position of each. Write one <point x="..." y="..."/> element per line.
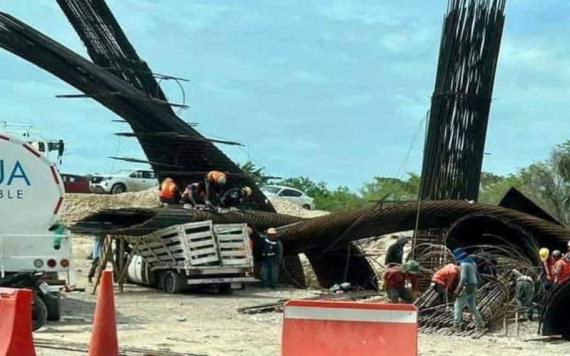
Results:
<point x="334" y="90"/>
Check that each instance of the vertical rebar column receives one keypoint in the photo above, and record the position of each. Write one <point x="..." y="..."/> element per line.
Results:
<point x="455" y="141"/>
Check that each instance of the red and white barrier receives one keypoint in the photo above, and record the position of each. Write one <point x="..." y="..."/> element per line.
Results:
<point x="348" y="328"/>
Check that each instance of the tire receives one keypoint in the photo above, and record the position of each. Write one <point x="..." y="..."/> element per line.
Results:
<point x="225" y="289"/>
<point x="172" y="283"/>
<point x="53" y="305"/>
<point x="39" y="313"/>
<point x="118" y="188"/>
<point x="307" y="206"/>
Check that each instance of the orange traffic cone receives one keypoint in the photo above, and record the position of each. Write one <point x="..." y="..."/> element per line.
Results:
<point x="104" y="335"/>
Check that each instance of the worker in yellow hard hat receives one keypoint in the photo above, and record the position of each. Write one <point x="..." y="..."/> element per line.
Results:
<point x="235" y="197"/>
<point x="548" y="260"/>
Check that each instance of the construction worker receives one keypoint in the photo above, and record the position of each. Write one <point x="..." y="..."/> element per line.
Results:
<point x="466" y="291"/>
<point x="213" y="183"/>
<point x="395" y="253"/>
<point x="194" y="194"/>
<point x="444" y="281"/>
<point x="547" y="265"/>
<point x="168" y="192"/>
<point x="561" y="272"/>
<point x="524" y="289"/>
<point x="235" y="197"/>
<point x="96" y="254"/>
<point x="272" y="254"/>
<point x="395" y="278"/>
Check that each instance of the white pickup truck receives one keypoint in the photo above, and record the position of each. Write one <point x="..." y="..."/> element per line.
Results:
<point x="123" y="181"/>
<point x="31" y="240"/>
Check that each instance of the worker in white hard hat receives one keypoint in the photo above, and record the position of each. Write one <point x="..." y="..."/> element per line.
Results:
<point x="235" y="197"/>
<point x="272" y="254"/>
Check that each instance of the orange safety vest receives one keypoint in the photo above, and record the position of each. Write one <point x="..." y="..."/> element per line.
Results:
<point x="168" y="189"/>
<point x="214" y="176"/>
<point x="446" y="276"/>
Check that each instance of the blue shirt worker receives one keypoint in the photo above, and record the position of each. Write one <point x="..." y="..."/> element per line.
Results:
<point x="466" y="290"/>
<point x="272" y="254"/>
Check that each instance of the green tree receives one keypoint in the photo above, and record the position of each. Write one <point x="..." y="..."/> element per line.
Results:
<point x="493" y="187"/>
<point x="340" y="198"/>
<point x="325" y="198"/>
<point x="393" y="189"/>
<point x="257" y="174"/>
<point x="310" y="187"/>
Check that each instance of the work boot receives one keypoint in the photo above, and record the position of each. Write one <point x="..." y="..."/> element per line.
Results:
<point x="456" y="329"/>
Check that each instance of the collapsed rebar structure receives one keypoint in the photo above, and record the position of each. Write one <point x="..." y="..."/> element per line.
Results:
<point x="121" y="81"/>
<point x="455" y="141"/>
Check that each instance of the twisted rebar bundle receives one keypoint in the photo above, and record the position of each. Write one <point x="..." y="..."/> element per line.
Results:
<point x="496" y="296"/>
<point x="461" y="101"/>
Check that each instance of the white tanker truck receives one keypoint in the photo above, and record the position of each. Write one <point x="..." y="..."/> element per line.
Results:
<point x="33" y="244"/>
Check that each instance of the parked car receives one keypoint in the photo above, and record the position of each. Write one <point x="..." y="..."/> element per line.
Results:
<point x="293" y="195"/>
<point x="123" y="181"/>
<point x="75" y="184"/>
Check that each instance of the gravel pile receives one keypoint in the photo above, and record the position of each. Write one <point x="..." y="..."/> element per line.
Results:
<point x="283" y="206"/>
<point x="79" y="206"/>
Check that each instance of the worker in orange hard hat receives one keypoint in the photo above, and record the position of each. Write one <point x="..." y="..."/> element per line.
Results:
<point x="213" y="183"/>
<point x="169" y="192"/>
<point x="235" y="197"/>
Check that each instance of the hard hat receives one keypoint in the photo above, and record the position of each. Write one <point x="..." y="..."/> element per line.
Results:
<point x="556" y="253"/>
<point x="411" y="267"/>
<point x="221" y="179"/>
<point x="271" y="231"/>
<point x="247" y="191"/>
<point x="460" y="254"/>
<point x="543" y="253"/>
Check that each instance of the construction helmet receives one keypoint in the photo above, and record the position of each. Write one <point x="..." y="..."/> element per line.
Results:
<point x="247" y="191"/>
<point x="460" y="254"/>
<point x="411" y="267"/>
<point x="556" y="254"/>
<point x="543" y="253"/>
<point x="221" y="179"/>
<point x="271" y="231"/>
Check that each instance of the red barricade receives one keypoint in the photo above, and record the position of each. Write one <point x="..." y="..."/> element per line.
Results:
<point x="16" y="322"/>
<point x="348" y="328"/>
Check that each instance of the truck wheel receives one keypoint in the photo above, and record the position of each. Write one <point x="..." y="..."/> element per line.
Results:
<point x="39" y="313"/>
<point x="118" y="188"/>
<point x="53" y="305"/>
<point x="172" y="282"/>
<point x="307" y="206"/>
<point x="226" y="289"/>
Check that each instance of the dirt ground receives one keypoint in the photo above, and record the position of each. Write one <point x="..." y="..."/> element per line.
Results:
<point x="209" y="324"/>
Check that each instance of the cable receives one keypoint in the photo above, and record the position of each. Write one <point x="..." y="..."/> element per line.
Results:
<point x="412" y="144"/>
